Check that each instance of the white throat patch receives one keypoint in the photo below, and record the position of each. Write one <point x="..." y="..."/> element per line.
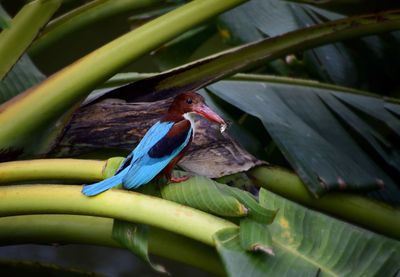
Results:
<point x="190" y="116"/>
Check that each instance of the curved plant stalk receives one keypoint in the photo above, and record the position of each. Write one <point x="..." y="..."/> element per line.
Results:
<point x="128" y="77"/>
<point x="296" y="81"/>
<point x="115" y="203"/>
<point x="200" y="73"/>
<point x="52" y="169"/>
<point x="50" y="228"/>
<point x="307" y="83"/>
<point x="83" y="16"/>
<point x="377" y="216"/>
<point x="125" y="78"/>
<point x="58" y="169"/>
<point x="24" y="28"/>
<point x="19" y="118"/>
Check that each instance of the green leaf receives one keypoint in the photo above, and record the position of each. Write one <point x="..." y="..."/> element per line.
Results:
<point x="135" y="238"/>
<point x="205" y="71"/>
<point x="25" y="26"/>
<point x="256" y="211"/>
<point x="209" y="196"/>
<point x="308" y="243"/>
<point x="112" y="166"/>
<point x="259" y="18"/>
<point x="332" y="63"/>
<point x="236" y="260"/>
<point x="255" y="236"/>
<point x="337" y="63"/>
<point x="307" y="125"/>
<point x="351" y="207"/>
<point x="22" y="76"/>
<point x="204" y="194"/>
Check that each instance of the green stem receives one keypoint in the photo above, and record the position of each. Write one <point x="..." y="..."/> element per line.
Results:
<point x="82" y="16"/>
<point x="24" y="28"/>
<point x="372" y="214"/>
<point x="213" y="68"/>
<point x="128" y="77"/>
<point x="297" y="81"/>
<point x="19" y="118"/>
<point x="97" y="231"/>
<point x="115" y="203"/>
<point x="52" y="169"/>
<point x="308" y="83"/>
<point x="125" y="78"/>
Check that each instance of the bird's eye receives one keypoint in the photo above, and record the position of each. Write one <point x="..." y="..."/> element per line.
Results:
<point x="189" y="101"/>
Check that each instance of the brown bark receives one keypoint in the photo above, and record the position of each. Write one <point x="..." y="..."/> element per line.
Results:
<point x="115" y="124"/>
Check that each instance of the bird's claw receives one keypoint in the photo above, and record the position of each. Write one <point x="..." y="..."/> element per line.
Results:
<point x="179" y="179"/>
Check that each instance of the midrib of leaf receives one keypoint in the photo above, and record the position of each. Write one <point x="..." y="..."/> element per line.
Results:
<point x="297" y="253"/>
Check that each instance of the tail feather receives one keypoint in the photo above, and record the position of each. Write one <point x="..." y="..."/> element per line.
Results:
<point x="96" y="188"/>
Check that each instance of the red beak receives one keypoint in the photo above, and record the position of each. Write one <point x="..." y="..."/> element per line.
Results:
<point x="206" y="112"/>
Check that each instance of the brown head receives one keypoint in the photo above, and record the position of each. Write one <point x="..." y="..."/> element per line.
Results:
<point x="192" y="102"/>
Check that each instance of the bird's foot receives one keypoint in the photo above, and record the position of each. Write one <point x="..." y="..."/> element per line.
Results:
<point x="179" y="179"/>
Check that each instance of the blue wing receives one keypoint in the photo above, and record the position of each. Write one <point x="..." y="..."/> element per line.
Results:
<point x="147" y="164"/>
<point x="153" y="135"/>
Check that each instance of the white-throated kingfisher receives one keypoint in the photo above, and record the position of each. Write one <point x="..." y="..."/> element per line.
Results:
<point x="162" y="146"/>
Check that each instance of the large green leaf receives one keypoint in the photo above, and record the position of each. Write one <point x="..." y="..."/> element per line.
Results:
<point x="338" y="63"/>
<point x="237" y="261"/>
<point x="308" y="243"/>
<point x="207" y="195"/>
<point x="319" y="133"/>
<point x="331" y="63"/>
<point x="205" y="71"/>
<point x="255" y="236"/>
<point x="257" y="19"/>
<point x="204" y="194"/>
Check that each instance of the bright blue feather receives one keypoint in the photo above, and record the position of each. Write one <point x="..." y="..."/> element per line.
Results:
<point x="145" y="168"/>
<point x="94" y="189"/>
<point x="141" y="168"/>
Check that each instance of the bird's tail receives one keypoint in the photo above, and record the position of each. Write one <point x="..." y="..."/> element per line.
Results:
<point x="96" y="188"/>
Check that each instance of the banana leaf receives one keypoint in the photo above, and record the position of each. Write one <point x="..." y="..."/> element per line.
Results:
<point x="324" y="134"/>
<point x="308" y="243"/>
<point x="337" y="63"/>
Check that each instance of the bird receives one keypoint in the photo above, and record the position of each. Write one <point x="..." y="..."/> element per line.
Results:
<point x="163" y="145"/>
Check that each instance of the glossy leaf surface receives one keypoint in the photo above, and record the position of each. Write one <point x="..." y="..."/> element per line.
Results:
<point x="310" y="126"/>
<point x="308" y="243"/>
